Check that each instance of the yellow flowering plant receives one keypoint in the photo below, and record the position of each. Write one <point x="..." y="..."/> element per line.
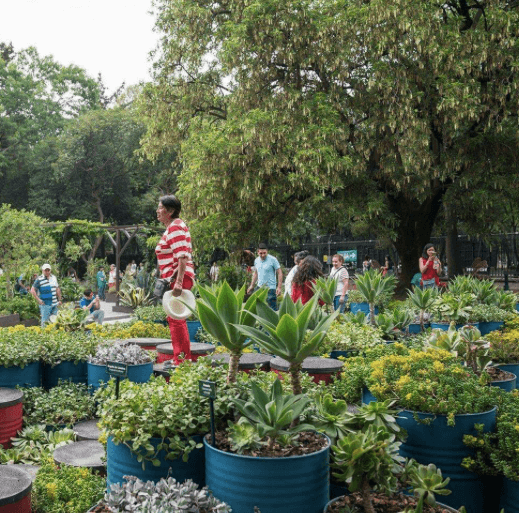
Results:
<point x="504" y="346"/>
<point x="430" y="381"/>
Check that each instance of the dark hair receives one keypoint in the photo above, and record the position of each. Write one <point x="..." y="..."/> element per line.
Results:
<point x="87" y="292"/>
<point x="340" y="257"/>
<point x="425" y="248"/>
<point x="309" y="270"/>
<point x="300" y="255"/>
<point x="366" y="257"/>
<point x="262" y="245"/>
<point x="172" y="204"/>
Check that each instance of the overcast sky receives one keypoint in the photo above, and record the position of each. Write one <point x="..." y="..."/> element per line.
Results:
<point x="111" y="37"/>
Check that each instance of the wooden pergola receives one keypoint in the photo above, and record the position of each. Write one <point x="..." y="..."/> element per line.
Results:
<point x="119" y="236"/>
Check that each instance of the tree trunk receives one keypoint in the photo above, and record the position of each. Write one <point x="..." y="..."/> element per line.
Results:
<point x="234" y="361"/>
<point x="295" y="375"/>
<point x="452" y="246"/>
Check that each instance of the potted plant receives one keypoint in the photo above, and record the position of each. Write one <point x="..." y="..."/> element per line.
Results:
<point x="468" y="345"/>
<point x="151" y="314"/>
<point x="64" y="356"/>
<point x="504" y="350"/>
<point x="449" y="307"/>
<point x="373" y="287"/>
<point x="220" y="310"/>
<point x="20" y="357"/>
<point x="490" y="317"/>
<point x="326" y="288"/>
<point x="423" y="300"/>
<point x="284" y="333"/>
<point x="168" y="494"/>
<point x="268" y="449"/>
<point x="139" y="362"/>
<point x="157" y="425"/>
<point x="349" y="338"/>
<point x="370" y="458"/>
<point x="441" y="401"/>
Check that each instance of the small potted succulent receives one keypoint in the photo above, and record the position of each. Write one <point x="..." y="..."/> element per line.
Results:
<point x="374" y="288"/>
<point x="423" y="300"/>
<point x="139" y="362"/>
<point x="504" y="349"/>
<point x="449" y="307"/>
<point x="490" y="317"/>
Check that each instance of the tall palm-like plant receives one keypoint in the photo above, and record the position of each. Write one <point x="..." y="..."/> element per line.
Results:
<point x="220" y="309"/>
<point x="326" y="288"/>
<point x="423" y="300"/>
<point x="372" y="285"/>
<point x="284" y="333"/>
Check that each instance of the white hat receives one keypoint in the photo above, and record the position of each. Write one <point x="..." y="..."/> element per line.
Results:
<point x="45" y="266"/>
<point x="176" y="307"/>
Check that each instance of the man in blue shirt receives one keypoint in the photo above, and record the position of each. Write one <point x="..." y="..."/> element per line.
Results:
<point x="90" y="302"/>
<point x="46" y="291"/>
<point x="266" y="270"/>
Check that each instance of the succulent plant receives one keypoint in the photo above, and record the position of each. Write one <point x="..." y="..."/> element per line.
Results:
<point x="120" y="351"/>
<point x="166" y="496"/>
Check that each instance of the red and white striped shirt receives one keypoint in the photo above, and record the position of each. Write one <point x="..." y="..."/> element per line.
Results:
<point x="175" y="243"/>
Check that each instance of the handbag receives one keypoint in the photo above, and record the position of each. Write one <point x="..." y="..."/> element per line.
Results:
<point x="162" y="285"/>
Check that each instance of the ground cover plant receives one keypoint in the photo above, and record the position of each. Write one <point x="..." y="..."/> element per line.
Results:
<point x="132" y="329"/>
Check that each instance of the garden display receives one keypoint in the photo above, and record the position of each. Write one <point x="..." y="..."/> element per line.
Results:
<point x="420" y="391"/>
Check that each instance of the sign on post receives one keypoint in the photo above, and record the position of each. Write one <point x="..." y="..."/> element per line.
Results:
<point x="207" y="388"/>
<point x="117" y="369"/>
<point x="350" y="255"/>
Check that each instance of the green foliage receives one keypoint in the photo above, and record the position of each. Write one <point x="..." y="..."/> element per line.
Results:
<point x="349" y="336"/>
<point x="284" y="332"/>
<point x="150" y="313"/>
<point x="171" y="411"/>
<point x="274" y="414"/>
<point x="325" y="288"/>
<point x="18" y="347"/>
<point x="134" y="296"/>
<point x="25" y="306"/>
<point x="373" y="286"/>
<point x="221" y="311"/>
<point x="70" y="290"/>
<point x="450" y="307"/>
<point x="60" y="346"/>
<point x="63" y="405"/>
<point x="490" y="313"/>
<point x="422" y="300"/>
<point x="504" y="347"/>
<point x="234" y="275"/>
<point x="19" y="230"/>
<point x="34" y="444"/>
<point x="65" y="489"/>
<point x="164" y="496"/>
<point x="70" y="318"/>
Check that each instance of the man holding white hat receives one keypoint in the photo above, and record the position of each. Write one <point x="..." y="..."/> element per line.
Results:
<point x="46" y="291"/>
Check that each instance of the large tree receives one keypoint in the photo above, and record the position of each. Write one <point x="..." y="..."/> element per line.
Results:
<point x="373" y="109"/>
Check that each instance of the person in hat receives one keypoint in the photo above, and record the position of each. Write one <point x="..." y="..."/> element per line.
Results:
<point x="46" y="291"/>
<point x="174" y="255"/>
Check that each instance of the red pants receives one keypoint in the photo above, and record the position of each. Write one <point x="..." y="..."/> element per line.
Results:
<point x="178" y="329"/>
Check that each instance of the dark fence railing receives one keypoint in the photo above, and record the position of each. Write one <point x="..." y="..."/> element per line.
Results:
<point x="501" y="255"/>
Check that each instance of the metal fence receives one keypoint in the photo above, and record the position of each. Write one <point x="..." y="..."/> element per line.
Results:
<point x="501" y="255"/>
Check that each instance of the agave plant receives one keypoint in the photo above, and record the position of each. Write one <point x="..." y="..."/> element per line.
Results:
<point x="423" y="300"/>
<point x="284" y="333"/>
<point x="326" y="288"/>
<point x="220" y="309"/>
<point x="134" y="296"/>
<point x="372" y="285"/>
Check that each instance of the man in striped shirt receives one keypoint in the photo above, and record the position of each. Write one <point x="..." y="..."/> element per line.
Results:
<point x="46" y="291"/>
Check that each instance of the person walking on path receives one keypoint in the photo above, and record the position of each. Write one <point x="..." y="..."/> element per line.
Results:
<point x="90" y="302"/>
<point x="266" y="270"/>
<point x="174" y="255"/>
<point x="101" y="283"/>
<point x="340" y="274"/>
<point x="303" y="283"/>
<point x="298" y="258"/>
<point x="47" y="292"/>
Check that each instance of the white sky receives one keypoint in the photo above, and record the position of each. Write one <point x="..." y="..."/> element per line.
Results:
<point x="111" y="37"/>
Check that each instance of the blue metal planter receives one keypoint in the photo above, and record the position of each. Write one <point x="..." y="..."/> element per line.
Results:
<point x="349" y="353"/>
<point x="487" y="327"/>
<point x="361" y="307"/>
<point x="120" y="461"/>
<point x="138" y="373"/>
<point x="68" y="370"/>
<point x="415" y="328"/>
<point x="274" y="485"/>
<point x="510" y="496"/>
<point x="510" y="367"/>
<point x="507" y="385"/>
<point x="30" y="376"/>
<point x="193" y="327"/>
<point x="443" y="445"/>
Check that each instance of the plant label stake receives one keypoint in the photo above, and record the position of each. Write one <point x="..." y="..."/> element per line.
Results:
<point x="118" y="370"/>
<point x="207" y="388"/>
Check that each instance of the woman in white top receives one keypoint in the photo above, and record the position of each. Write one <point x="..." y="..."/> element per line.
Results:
<point x="298" y="258"/>
<point x="340" y="274"/>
